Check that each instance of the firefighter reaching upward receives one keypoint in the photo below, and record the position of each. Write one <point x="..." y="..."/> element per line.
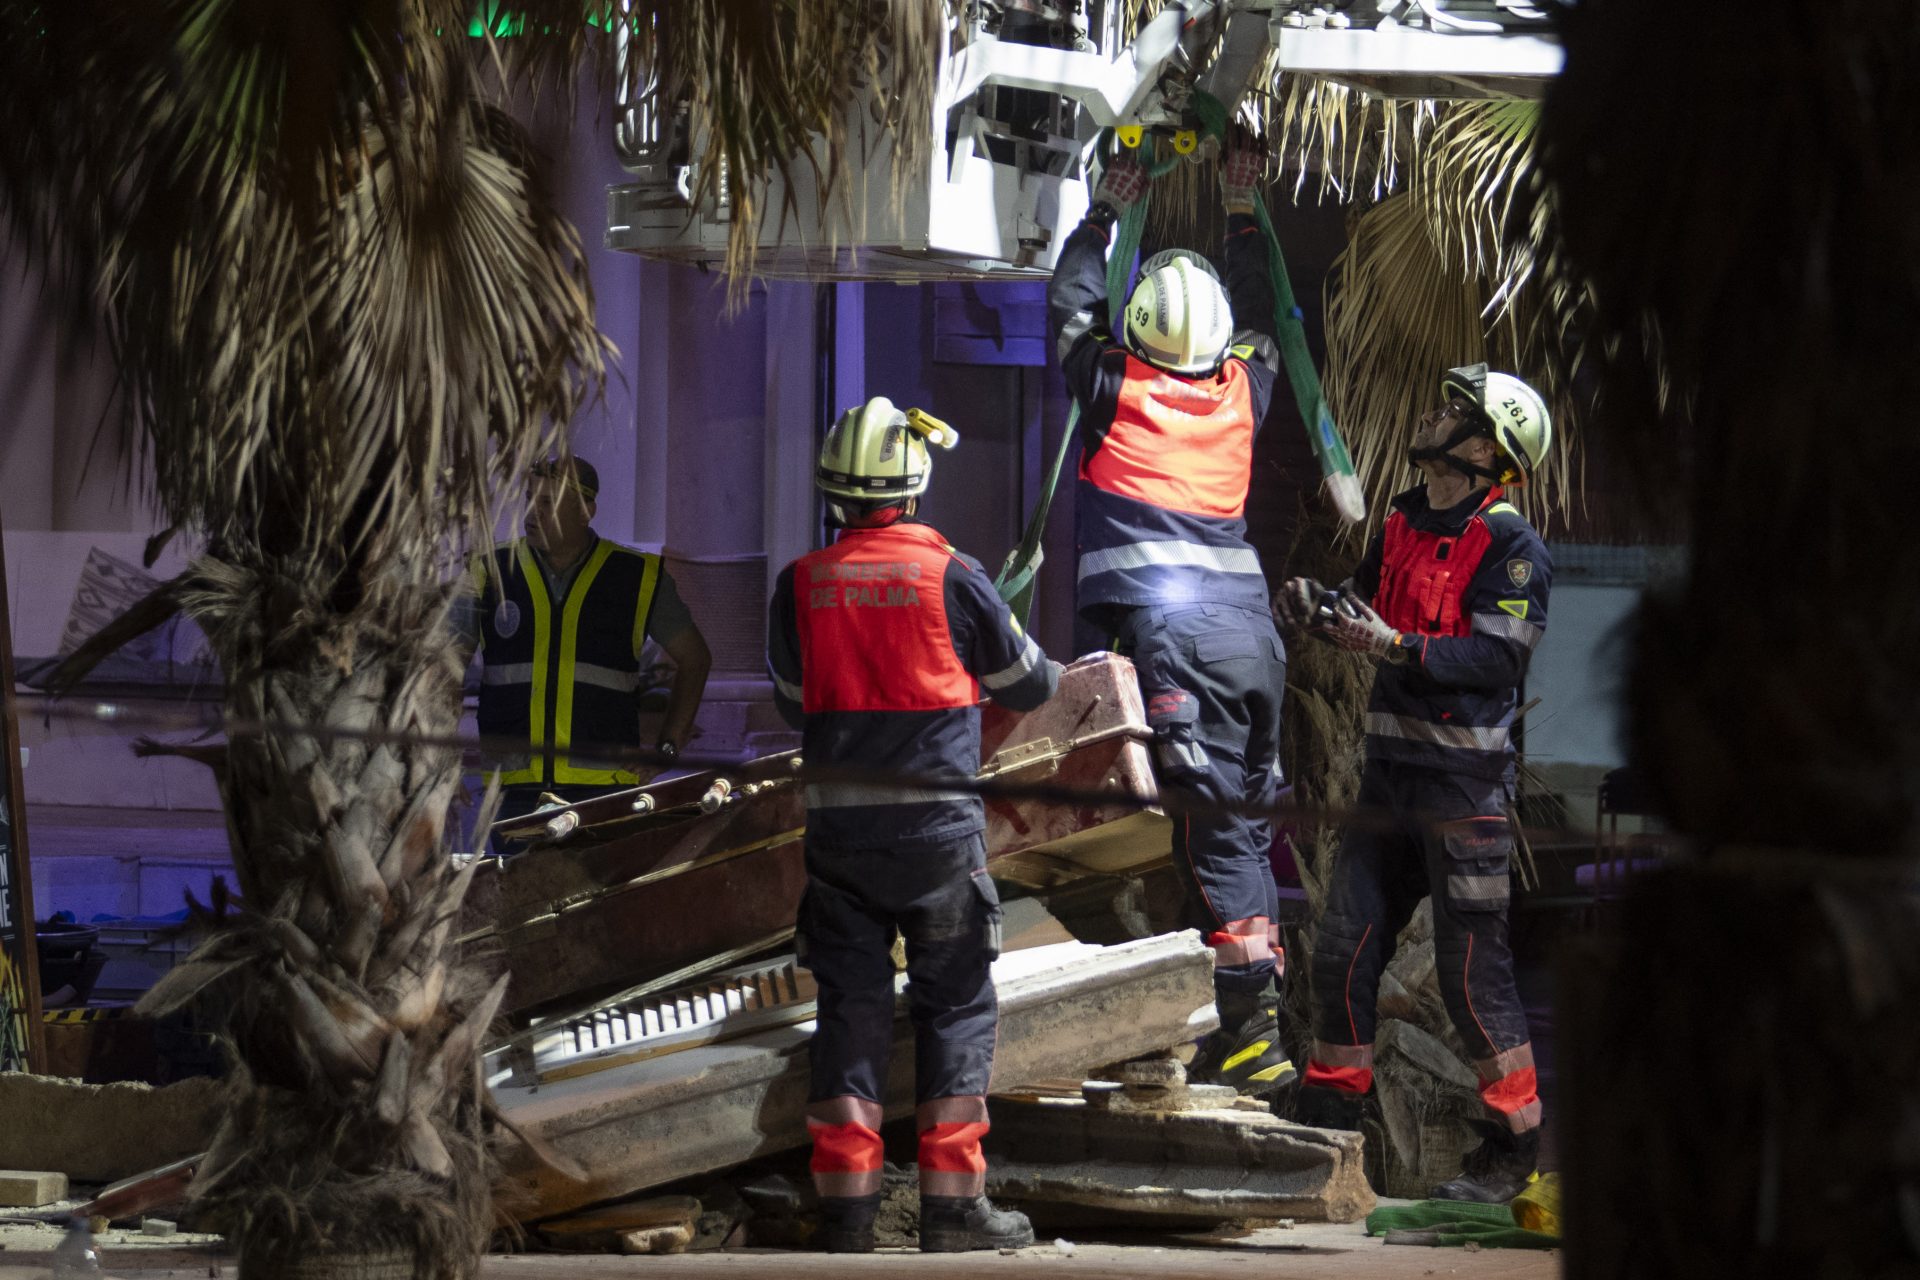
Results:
<point x="1451" y="597"/>
<point x="881" y="645"/>
<point x="1170" y="402"/>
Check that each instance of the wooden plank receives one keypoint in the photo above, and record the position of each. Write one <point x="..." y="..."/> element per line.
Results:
<point x="22" y="1042"/>
<point x="634" y="1215"/>
<point x="578" y="921"/>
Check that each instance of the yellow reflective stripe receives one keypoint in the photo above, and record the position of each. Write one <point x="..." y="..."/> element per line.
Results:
<point x="563" y="772"/>
<point x="542" y="647"/>
<point x="1506" y="507"/>
<point x="1518" y="608"/>
<point x="569" y="641"/>
<point x="1245" y="1055"/>
<point x="530" y="774"/>
<point x="649" y="582"/>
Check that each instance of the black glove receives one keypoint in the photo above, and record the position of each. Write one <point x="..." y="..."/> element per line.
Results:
<point x="1297" y="600"/>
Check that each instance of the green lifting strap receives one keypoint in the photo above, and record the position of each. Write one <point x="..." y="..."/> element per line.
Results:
<point x="1329" y="447"/>
<point x="1019" y="575"/>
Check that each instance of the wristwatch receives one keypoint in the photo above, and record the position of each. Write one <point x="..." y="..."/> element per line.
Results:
<point x="666" y="748"/>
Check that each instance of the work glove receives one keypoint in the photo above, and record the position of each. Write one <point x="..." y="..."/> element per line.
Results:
<point x="1122" y="183"/>
<point x="1241" y="170"/>
<point x="1356" y="628"/>
<point x="1297" y="600"/>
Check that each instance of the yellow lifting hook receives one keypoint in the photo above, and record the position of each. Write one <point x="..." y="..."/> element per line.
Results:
<point x="1185" y="140"/>
<point x="1129" y="135"/>
<point x="931" y="429"/>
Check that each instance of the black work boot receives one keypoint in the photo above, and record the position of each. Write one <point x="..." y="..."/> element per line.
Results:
<point x="846" y="1222"/>
<point x="1246" y="1052"/>
<point x="958" y="1224"/>
<point x="1331" y="1109"/>
<point x="1497" y="1170"/>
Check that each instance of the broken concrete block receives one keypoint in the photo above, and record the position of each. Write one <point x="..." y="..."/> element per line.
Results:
<point x="1204" y="1165"/>
<point x="103" y="1132"/>
<point x="1064" y="1010"/>
<point x="664" y="1224"/>
<point x="31" y="1188"/>
<point x="657" y="1240"/>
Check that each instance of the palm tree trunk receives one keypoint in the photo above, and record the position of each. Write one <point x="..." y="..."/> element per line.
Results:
<point x="358" y="1118"/>
<point x="1741" y="1053"/>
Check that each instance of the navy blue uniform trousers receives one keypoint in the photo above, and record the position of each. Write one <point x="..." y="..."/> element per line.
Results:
<point x="1448" y="838"/>
<point x="1214" y="676"/>
<point x="948" y="912"/>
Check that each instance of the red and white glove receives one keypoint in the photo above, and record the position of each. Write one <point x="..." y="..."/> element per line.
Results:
<point x="1122" y="183"/>
<point x="1242" y="169"/>
<point x="1357" y="628"/>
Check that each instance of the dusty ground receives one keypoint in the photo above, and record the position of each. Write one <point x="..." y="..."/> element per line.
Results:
<point x="1308" y="1251"/>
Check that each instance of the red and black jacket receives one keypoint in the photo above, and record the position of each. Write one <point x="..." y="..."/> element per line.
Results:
<point x="1160" y="508"/>
<point x="880" y="648"/>
<point x="1471" y="583"/>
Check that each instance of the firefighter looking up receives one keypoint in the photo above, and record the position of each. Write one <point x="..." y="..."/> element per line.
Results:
<point x="880" y="647"/>
<point x="561" y="622"/>
<point x="1169" y="406"/>
<point x="1451" y="598"/>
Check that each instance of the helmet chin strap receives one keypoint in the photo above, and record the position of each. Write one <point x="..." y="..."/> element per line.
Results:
<point x="840" y="516"/>
<point x="1442" y="453"/>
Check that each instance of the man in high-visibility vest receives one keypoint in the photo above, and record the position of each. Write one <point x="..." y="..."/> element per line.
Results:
<point x="881" y="646"/>
<point x="561" y="618"/>
<point x="1170" y="402"/>
<point x="1451" y="598"/>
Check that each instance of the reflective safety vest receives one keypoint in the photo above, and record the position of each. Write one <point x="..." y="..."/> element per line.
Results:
<point x="1183" y="444"/>
<point x="1163" y="493"/>
<point x="873" y="627"/>
<point x="563" y="672"/>
<point x="1424" y="575"/>
<point x="1472" y="582"/>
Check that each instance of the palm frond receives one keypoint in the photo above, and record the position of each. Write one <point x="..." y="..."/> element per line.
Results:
<point x="1397" y="319"/>
<point x="1469" y="168"/>
<point x="788" y="90"/>
<point x="1399" y="314"/>
<point x="1359" y="144"/>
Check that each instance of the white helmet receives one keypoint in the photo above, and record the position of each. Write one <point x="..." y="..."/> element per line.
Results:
<point x="1522" y="427"/>
<point x="872" y="454"/>
<point x="1178" y="317"/>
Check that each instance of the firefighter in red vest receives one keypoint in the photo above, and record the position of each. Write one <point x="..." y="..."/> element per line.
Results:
<point x="1170" y="402"/>
<point x="881" y="647"/>
<point x="1451" y="597"/>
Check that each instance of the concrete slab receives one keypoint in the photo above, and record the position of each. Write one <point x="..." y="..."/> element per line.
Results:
<point x="1211" y="1165"/>
<point x="1064" y="1010"/>
<point x="103" y="1132"/>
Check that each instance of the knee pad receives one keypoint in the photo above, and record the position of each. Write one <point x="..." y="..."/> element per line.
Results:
<point x="1174" y="717"/>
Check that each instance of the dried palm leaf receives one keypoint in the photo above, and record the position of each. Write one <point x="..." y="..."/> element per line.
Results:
<point x="803" y="93"/>
<point x="1358" y="143"/>
<point x="1469" y="167"/>
<point x="1397" y="319"/>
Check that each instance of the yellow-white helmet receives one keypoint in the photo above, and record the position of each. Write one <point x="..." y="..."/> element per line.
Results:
<point x="876" y="456"/>
<point x="1178" y="318"/>
<point x="1517" y="414"/>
